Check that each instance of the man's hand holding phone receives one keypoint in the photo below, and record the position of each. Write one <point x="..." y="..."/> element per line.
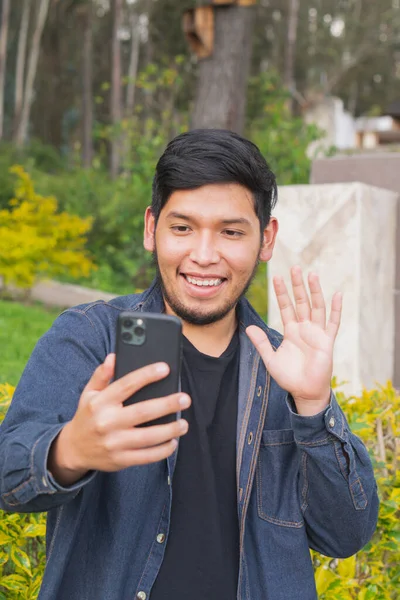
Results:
<point x="105" y="435"/>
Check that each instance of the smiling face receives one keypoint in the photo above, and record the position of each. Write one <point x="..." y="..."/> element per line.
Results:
<point x="207" y="245"/>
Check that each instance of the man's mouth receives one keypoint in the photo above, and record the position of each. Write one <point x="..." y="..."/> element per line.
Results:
<point x="203" y="281"/>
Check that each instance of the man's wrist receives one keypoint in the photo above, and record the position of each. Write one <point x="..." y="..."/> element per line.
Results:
<point x="310" y="408"/>
<point x="61" y="463"/>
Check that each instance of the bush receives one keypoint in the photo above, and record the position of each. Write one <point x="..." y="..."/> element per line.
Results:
<point x="22" y="545"/>
<point x="36" y="241"/>
<point x="283" y="138"/>
<point x="372" y="574"/>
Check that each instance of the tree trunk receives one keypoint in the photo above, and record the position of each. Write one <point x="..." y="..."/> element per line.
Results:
<point x="5" y="18"/>
<point x="116" y="92"/>
<point x="22" y="132"/>
<point x="293" y="20"/>
<point x="133" y="65"/>
<point x="87" y="96"/>
<point x="21" y="62"/>
<point x="222" y="85"/>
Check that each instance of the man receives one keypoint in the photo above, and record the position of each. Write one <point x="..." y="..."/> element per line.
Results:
<point x="268" y="467"/>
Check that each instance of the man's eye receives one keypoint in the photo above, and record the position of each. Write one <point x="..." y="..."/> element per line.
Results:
<point x="233" y="233"/>
<point x="180" y="228"/>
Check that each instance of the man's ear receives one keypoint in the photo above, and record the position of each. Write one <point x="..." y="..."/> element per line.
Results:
<point x="149" y="230"/>
<point x="268" y="241"/>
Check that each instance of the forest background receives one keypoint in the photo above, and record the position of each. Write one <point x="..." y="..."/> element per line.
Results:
<point x="92" y="90"/>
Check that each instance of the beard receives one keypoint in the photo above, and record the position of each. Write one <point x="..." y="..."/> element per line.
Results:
<point x="193" y="316"/>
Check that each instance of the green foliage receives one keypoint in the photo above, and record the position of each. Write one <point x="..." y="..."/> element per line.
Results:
<point x="282" y="138"/>
<point x="36" y="240"/>
<point x="22" y="546"/>
<point x="374" y="573"/>
<point x="35" y="156"/>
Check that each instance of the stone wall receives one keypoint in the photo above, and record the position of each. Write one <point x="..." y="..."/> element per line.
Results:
<point x="377" y="169"/>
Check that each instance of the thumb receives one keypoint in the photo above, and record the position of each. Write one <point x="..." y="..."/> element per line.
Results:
<point x="102" y="375"/>
<point x="261" y="342"/>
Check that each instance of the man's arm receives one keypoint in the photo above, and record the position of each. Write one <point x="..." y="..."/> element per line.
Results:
<point x="68" y="420"/>
<point x="337" y="484"/>
<point x="46" y="398"/>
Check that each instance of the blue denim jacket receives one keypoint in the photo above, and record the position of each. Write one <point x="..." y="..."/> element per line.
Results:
<point x="302" y="482"/>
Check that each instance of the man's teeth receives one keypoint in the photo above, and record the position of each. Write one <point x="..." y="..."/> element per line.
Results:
<point x="203" y="282"/>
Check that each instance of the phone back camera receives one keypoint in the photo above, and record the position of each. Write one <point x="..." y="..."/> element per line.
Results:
<point x="133" y="331"/>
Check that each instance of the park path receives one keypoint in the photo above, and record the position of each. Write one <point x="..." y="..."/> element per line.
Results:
<point x="65" y="295"/>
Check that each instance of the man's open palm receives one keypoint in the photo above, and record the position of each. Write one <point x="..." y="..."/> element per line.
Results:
<point x="303" y="363"/>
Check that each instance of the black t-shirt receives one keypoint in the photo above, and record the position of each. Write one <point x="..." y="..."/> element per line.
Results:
<point x="201" y="559"/>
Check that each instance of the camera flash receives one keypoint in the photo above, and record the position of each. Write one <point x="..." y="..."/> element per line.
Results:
<point x="139" y="322"/>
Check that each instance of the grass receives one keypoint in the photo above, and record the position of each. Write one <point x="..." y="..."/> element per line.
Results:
<point x="20" y="328"/>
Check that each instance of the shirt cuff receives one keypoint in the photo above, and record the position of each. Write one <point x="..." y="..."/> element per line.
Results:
<point x="318" y="429"/>
<point x="39" y="481"/>
<point x="48" y="482"/>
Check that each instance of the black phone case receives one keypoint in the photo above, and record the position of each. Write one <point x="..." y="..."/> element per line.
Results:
<point x="163" y="343"/>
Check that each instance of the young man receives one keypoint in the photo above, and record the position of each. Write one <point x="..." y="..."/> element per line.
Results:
<point x="268" y="468"/>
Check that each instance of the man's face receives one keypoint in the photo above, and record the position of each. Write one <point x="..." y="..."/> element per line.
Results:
<point x="207" y="245"/>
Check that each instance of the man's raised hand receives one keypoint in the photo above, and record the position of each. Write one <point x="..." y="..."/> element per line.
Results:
<point x="302" y="365"/>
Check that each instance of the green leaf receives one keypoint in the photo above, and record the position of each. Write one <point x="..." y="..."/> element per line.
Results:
<point x="14" y="583"/>
<point x="323" y="578"/>
<point x="4" y="538"/>
<point x="34" y="530"/>
<point x="390" y="546"/>
<point x="347" y="567"/>
<point x="3" y="558"/>
<point x="371" y="592"/>
<point x="21" y="560"/>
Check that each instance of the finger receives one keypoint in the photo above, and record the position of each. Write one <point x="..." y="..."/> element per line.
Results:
<point x="102" y="375"/>
<point x="261" y="342"/>
<point x="332" y="327"/>
<point x="147" y="455"/>
<point x="148" y="410"/>
<point x="126" y="386"/>
<point x="303" y="307"/>
<point x="318" y="309"/>
<point x="146" y="437"/>
<point x="285" y="304"/>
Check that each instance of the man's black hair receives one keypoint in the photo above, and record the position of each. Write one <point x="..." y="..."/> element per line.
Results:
<point x="207" y="156"/>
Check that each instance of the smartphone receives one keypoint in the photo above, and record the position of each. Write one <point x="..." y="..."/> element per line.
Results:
<point x="144" y="339"/>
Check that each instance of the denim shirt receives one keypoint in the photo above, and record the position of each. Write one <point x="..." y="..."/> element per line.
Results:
<point x="302" y="482"/>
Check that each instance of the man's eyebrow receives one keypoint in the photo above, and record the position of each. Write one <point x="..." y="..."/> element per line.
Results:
<point x="176" y="215"/>
<point x="236" y="221"/>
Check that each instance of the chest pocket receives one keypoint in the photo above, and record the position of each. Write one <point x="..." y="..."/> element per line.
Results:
<point x="278" y="468"/>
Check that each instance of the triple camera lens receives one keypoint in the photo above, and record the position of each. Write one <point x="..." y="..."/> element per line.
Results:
<point x="133" y="331"/>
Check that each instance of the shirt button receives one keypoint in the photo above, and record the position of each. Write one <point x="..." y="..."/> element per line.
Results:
<point x="160" y="538"/>
<point x="331" y="422"/>
<point x="141" y="596"/>
<point x="44" y="481"/>
<point x="259" y="390"/>
<point x="250" y="438"/>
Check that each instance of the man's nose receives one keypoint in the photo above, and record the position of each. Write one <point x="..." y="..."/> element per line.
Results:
<point x="205" y="251"/>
